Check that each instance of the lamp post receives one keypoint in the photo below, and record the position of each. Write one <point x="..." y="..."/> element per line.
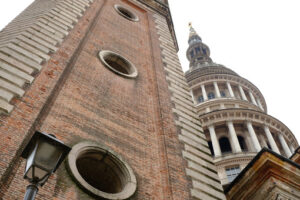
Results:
<point x="44" y="154"/>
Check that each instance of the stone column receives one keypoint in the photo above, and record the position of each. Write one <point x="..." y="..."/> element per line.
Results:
<point x="259" y="104"/>
<point x="193" y="98"/>
<point x="230" y="90"/>
<point x="271" y="139"/>
<point x="292" y="149"/>
<point x="263" y="142"/>
<point x="252" y="98"/>
<point x="253" y="136"/>
<point x="284" y="146"/>
<point x="243" y="93"/>
<point x="214" y="140"/>
<point x="218" y="94"/>
<point x="234" y="138"/>
<point x="204" y="93"/>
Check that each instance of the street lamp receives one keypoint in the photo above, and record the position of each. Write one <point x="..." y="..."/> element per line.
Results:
<point x="44" y="154"/>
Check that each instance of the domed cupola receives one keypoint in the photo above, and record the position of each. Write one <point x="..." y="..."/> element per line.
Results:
<point x="232" y="112"/>
<point x="198" y="53"/>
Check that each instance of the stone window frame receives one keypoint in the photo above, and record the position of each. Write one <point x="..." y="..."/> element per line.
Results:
<point x="130" y="15"/>
<point x="133" y="74"/>
<point x="83" y="147"/>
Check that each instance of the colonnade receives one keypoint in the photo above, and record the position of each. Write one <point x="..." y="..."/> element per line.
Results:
<point x="255" y="142"/>
<point x="253" y="100"/>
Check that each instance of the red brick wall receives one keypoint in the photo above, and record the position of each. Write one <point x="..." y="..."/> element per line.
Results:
<point x="76" y="98"/>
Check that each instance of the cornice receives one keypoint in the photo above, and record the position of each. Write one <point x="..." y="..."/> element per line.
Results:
<point x="264" y="165"/>
<point x="207" y="69"/>
<point x="218" y="101"/>
<point x="233" y="158"/>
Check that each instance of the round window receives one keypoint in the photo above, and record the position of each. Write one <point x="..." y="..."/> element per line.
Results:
<point x="126" y="13"/>
<point x="118" y="64"/>
<point x="101" y="171"/>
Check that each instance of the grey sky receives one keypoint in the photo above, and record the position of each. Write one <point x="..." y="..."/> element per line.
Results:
<point x="257" y="39"/>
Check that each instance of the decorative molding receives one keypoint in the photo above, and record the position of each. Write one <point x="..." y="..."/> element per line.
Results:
<point x="233" y="159"/>
<point x="226" y="100"/>
<point x="205" y="183"/>
<point x="207" y="69"/>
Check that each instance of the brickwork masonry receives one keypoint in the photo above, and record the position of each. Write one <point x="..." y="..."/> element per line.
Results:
<point x="25" y="44"/>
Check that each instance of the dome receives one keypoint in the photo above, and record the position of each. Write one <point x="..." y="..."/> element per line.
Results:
<point x="207" y="69"/>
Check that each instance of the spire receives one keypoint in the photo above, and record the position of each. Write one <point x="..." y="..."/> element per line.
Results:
<point x="198" y="53"/>
<point x="193" y="34"/>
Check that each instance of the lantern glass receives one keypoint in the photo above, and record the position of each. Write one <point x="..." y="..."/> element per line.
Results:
<point x="40" y="174"/>
<point x="30" y="163"/>
<point x="47" y="156"/>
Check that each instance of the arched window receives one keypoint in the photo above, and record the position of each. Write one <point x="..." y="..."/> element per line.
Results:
<point x="204" y="51"/>
<point x="225" y="145"/>
<point x="197" y="49"/>
<point x="242" y="143"/>
<point x="200" y="99"/>
<point x="192" y="54"/>
<point x="211" y="148"/>
<point x="211" y="95"/>
<point x="223" y="94"/>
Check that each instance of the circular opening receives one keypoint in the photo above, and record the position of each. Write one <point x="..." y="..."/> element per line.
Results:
<point x="101" y="171"/>
<point x="118" y="64"/>
<point x="126" y="13"/>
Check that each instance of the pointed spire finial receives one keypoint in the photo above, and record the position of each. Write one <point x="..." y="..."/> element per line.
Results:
<point x="192" y="31"/>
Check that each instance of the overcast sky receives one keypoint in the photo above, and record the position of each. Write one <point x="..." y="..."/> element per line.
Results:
<point x="258" y="39"/>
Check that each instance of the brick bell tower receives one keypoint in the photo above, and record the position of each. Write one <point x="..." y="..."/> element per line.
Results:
<point x="103" y="76"/>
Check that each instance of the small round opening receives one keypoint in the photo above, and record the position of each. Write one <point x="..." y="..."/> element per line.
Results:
<point x="101" y="171"/>
<point x="118" y="64"/>
<point x="126" y="13"/>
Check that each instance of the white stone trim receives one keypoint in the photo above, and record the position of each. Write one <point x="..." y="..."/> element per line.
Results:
<point x="26" y="42"/>
<point x="191" y="134"/>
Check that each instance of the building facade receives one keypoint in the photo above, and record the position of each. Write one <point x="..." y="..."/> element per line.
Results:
<point x="103" y="76"/>
<point x="268" y="176"/>
<point x="233" y="113"/>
